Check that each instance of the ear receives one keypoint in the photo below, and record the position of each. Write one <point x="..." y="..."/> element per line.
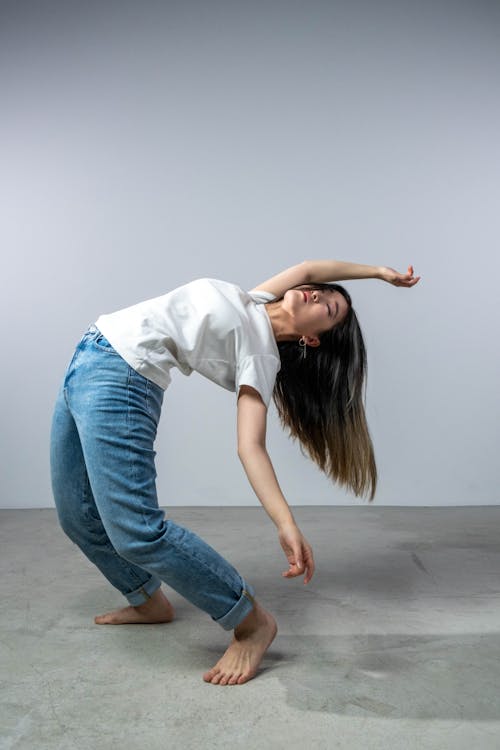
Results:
<point x="312" y="341"/>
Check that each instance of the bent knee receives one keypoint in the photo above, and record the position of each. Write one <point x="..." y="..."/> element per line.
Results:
<point x="76" y="525"/>
<point x="139" y="548"/>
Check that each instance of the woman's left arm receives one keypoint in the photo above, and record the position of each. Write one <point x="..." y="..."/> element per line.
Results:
<point x="324" y="271"/>
<point x="252" y="452"/>
<point x="260" y="472"/>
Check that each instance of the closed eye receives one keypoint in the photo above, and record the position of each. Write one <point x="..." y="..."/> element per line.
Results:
<point x="330" y="309"/>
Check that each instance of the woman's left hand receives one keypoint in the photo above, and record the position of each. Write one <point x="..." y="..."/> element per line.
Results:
<point x="298" y="553"/>
<point x="398" y="279"/>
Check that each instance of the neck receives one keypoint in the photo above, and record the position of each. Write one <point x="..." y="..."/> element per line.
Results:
<point x="280" y="322"/>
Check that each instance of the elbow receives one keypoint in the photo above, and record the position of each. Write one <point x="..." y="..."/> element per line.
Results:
<point x="247" y="450"/>
<point x="306" y="269"/>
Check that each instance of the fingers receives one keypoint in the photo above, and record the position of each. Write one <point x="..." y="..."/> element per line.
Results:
<point x="412" y="279"/>
<point x="301" y="568"/>
<point x="407" y="279"/>
<point x="295" y="565"/>
<point x="411" y="282"/>
<point x="299" y="555"/>
<point x="292" y="572"/>
<point x="310" y="567"/>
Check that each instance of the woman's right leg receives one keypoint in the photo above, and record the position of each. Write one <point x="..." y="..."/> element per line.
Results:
<point x="80" y="519"/>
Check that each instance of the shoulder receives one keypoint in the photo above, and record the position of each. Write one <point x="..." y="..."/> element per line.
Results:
<point x="233" y="290"/>
<point x="261" y="296"/>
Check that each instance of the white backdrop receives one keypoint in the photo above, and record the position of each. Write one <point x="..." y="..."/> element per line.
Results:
<point x="147" y="144"/>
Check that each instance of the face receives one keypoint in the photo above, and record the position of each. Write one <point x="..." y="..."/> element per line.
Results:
<point x="315" y="311"/>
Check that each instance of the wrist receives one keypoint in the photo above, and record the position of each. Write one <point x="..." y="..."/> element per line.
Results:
<point x="285" y="523"/>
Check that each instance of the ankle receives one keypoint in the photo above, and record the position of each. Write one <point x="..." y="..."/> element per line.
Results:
<point x="251" y="622"/>
<point x="152" y="600"/>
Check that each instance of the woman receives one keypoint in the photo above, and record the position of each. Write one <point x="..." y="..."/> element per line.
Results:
<point x="295" y="337"/>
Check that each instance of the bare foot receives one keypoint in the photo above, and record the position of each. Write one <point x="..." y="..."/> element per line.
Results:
<point x="252" y="638"/>
<point x="156" y="609"/>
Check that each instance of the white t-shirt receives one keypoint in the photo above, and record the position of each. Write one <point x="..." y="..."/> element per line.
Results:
<point x="209" y="326"/>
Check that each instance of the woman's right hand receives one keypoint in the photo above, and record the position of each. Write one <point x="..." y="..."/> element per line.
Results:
<point x="298" y="553"/>
<point x="398" y="279"/>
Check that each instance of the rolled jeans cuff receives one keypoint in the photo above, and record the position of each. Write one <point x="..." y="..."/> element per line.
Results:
<point x="241" y="609"/>
<point x="144" y="592"/>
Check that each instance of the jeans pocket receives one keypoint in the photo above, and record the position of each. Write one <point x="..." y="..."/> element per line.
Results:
<point x="154" y="398"/>
<point x="101" y="342"/>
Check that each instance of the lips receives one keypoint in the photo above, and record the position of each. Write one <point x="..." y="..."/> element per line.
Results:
<point x="305" y="296"/>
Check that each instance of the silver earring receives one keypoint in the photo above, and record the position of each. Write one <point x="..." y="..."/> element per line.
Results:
<point x="303" y="344"/>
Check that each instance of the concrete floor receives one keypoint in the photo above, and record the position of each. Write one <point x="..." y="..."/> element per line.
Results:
<point x="394" y="644"/>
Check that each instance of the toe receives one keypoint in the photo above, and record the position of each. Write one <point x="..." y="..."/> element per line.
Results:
<point x="208" y="676"/>
<point x="245" y="677"/>
<point x="233" y="679"/>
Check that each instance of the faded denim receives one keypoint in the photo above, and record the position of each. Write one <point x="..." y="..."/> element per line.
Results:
<point x="104" y="485"/>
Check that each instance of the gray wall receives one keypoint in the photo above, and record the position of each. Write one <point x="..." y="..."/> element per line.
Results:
<point x="146" y="144"/>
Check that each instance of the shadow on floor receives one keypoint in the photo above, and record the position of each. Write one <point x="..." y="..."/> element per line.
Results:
<point x="395" y="676"/>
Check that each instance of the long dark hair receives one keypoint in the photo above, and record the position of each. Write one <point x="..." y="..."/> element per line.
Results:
<point x="320" y="399"/>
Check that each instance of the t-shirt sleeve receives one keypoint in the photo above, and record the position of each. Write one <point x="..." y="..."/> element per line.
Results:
<point x="261" y="297"/>
<point x="259" y="372"/>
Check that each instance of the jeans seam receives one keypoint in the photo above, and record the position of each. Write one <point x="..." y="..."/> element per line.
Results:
<point x="123" y="561"/>
<point x="190" y="555"/>
<point x="247" y="594"/>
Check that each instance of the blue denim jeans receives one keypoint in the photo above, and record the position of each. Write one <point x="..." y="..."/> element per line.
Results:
<point x="104" y="485"/>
